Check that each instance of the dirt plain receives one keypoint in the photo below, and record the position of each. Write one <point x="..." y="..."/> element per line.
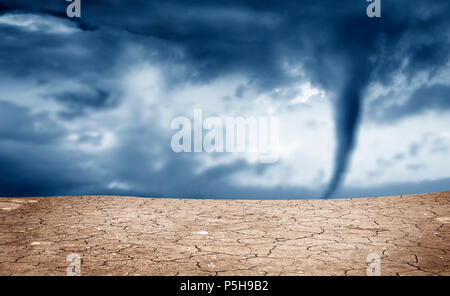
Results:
<point x="151" y="236"/>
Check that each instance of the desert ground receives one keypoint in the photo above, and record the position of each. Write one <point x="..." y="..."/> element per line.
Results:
<point x="152" y="236"/>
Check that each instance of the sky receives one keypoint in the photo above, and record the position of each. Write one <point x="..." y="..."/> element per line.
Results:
<point x="86" y="104"/>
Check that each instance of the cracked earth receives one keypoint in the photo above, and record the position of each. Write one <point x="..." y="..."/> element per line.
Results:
<point x="146" y="236"/>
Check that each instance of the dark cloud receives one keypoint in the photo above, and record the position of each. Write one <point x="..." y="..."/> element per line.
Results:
<point x="20" y="125"/>
<point x="78" y="103"/>
<point x="50" y="55"/>
<point x="425" y="186"/>
<point x="39" y="170"/>
<point x="434" y="98"/>
<point x="339" y="48"/>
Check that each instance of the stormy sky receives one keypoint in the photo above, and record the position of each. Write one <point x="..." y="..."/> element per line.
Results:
<point x="86" y="104"/>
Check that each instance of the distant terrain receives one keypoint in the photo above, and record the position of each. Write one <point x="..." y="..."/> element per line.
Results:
<point x="150" y="236"/>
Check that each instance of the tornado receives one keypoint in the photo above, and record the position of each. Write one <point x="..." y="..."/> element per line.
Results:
<point x="347" y="109"/>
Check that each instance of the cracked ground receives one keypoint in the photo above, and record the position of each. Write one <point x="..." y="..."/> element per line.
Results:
<point x="152" y="236"/>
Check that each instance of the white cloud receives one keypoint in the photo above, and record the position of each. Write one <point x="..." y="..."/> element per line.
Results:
<point x="32" y="22"/>
<point x="119" y="185"/>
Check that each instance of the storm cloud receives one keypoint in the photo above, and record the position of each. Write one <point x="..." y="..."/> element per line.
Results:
<point x="434" y="98"/>
<point x="78" y="67"/>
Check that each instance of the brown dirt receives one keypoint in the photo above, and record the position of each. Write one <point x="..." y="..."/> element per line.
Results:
<point x="146" y="236"/>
